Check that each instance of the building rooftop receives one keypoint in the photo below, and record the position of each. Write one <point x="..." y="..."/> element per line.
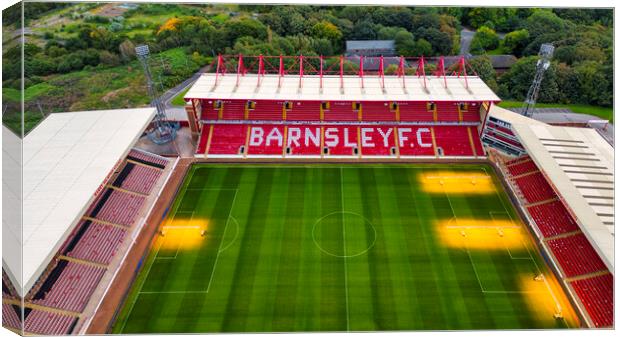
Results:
<point x="580" y="163"/>
<point x="354" y="88"/>
<point x="370" y="44"/>
<point x="65" y="160"/>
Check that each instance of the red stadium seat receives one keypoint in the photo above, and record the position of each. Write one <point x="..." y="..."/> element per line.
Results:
<point x="304" y="111"/>
<point x="266" y="110"/>
<point x="552" y="218"/>
<point x="119" y="208"/>
<point x="48" y="323"/>
<point x="340" y="140"/>
<point x="10" y="317"/>
<point x="377" y="112"/>
<point x="447" y="112"/>
<point x="266" y="139"/>
<point x="377" y="141"/>
<point x="597" y="295"/>
<point x="576" y="255"/>
<point x="227" y="139"/>
<point x="303" y="140"/>
<point x="535" y="187"/>
<point x="340" y="112"/>
<point x="454" y="141"/>
<point x="415" y="141"/>
<point x="99" y="243"/>
<point x="233" y="110"/>
<point x="414" y="112"/>
<point x="522" y="168"/>
<point x="73" y="287"/>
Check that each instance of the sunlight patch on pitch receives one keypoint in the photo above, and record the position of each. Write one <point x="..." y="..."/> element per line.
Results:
<point x="456" y="182"/>
<point x="183" y="234"/>
<point x="544" y="296"/>
<point x="481" y="234"/>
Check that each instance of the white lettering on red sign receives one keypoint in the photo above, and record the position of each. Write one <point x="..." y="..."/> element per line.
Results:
<point x="340" y="136"/>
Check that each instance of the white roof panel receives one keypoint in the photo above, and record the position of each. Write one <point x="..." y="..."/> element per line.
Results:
<point x="65" y="160"/>
<point x="580" y="164"/>
<point x="308" y="88"/>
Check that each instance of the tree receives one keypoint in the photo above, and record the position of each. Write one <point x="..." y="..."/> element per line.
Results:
<point x="388" y="33"/>
<point x="322" y="47"/>
<point x="441" y="42"/>
<point x="364" y="30"/>
<point x="127" y="50"/>
<point x="515" y="41"/>
<point x="69" y="63"/>
<point x="482" y="66"/>
<point x="39" y="66"/>
<point x="422" y="48"/>
<point x="485" y="38"/>
<point x="405" y="44"/>
<point x="477" y="17"/>
<point x="425" y="20"/>
<point x="545" y="22"/>
<point x="354" y="13"/>
<point x="516" y="81"/>
<point x="109" y="59"/>
<point x="594" y="87"/>
<point x="326" y="30"/>
<point x="502" y="19"/>
<point x="237" y="28"/>
<point x="393" y="16"/>
<point x="286" y="20"/>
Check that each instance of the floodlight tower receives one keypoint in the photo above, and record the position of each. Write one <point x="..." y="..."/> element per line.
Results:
<point x="162" y="131"/>
<point x="545" y="54"/>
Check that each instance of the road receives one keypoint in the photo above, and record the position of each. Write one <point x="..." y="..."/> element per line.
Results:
<point x="176" y="112"/>
<point x="466" y="37"/>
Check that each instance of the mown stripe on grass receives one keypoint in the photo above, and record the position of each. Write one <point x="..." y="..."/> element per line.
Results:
<point x="266" y="277"/>
<point x="382" y="295"/>
<point x="205" y="259"/>
<point x="410" y="313"/>
<point x="243" y="282"/>
<point x="333" y="312"/>
<point x="498" y="295"/>
<point x="309" y="265"/>
<point x="284" y="313"/>
<point x="438" y="309"/>
<point x="359" y="238"/>
<point x="472" y="307"/>
<point x="212" y="313"/>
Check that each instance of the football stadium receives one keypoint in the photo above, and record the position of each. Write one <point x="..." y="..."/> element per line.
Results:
<point x="317" y="197"/>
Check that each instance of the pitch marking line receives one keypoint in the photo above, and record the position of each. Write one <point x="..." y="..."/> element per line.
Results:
<point x="237" y="226"/>
<point x="527" y="247"/>
<point x="469" y="253"/>
<point x="512" y="257"/>
<point x="219" y="250"/>
<point x="318" y="245"/>
<point x="150" y="266"/>
<point x="191" y="218"/>
<point x="133" y="303"/>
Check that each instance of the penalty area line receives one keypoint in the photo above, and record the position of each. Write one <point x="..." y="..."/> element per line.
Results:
<point x="219" y="249"/>
<point x="148" y="272"/>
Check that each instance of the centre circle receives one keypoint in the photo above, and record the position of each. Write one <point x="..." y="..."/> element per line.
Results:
<point x="344" y="234"/>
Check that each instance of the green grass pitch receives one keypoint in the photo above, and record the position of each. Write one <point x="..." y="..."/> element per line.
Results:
<point x="339" y="248"/>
